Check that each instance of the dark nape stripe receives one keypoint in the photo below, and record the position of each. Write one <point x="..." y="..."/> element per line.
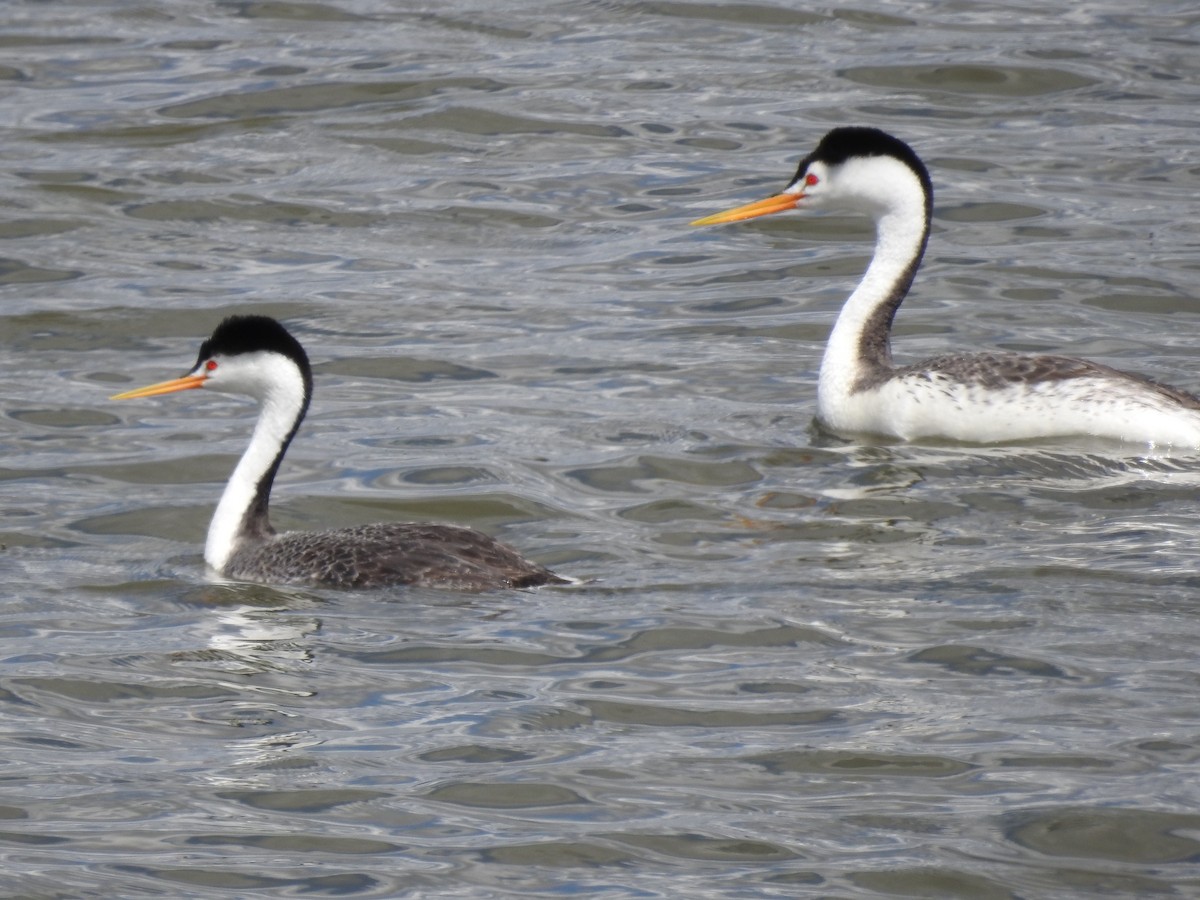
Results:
<point x="874" y="348"/>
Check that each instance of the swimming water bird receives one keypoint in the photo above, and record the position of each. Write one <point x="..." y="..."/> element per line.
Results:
<point x="258" y="357"/>
<point x="975" y="398"/>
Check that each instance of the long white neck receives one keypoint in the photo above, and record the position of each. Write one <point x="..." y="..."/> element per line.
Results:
<point x="241" y="514"/>
<point x="859" y="351"/>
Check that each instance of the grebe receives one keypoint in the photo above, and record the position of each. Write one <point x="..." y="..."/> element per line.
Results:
<point x="976" y="398"/>
<point x="258" y="357"/>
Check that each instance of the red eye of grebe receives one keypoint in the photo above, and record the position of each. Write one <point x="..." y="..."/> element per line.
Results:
<point x="210" y="366"/>
<point x="810" y="179"/>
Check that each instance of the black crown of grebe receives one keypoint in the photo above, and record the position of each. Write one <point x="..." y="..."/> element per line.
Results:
<point x="977" y="398"/>
<point x="258" y="357"/>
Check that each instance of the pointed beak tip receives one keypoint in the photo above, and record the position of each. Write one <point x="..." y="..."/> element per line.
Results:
<point x="773" y="204"/>
<point x="187" y="382"/>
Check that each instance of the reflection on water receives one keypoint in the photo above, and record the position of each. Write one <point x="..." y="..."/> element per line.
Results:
<point x="797" y="666"/>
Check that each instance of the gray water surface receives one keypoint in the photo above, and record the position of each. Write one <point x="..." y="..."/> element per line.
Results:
<point x="799" y="666"/>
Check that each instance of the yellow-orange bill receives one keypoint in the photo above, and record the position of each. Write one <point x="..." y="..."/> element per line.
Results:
<point x="187" y="382"/>
<point x="777" y="203"/>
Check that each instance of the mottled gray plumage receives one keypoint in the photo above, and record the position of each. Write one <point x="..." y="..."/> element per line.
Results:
<point x="995" y="371"/>
<point x="368" y="556"/>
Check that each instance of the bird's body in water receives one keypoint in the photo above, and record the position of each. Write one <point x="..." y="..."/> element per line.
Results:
<point x="256" y="356"/>
<point x="974" y="398"/>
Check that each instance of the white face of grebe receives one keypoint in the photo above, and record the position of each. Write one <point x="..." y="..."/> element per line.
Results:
<point x="853" y="169"/>
<point x="250" y="355"/>
<point x="256" y="374"/>
<point x="868" y="184"/>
